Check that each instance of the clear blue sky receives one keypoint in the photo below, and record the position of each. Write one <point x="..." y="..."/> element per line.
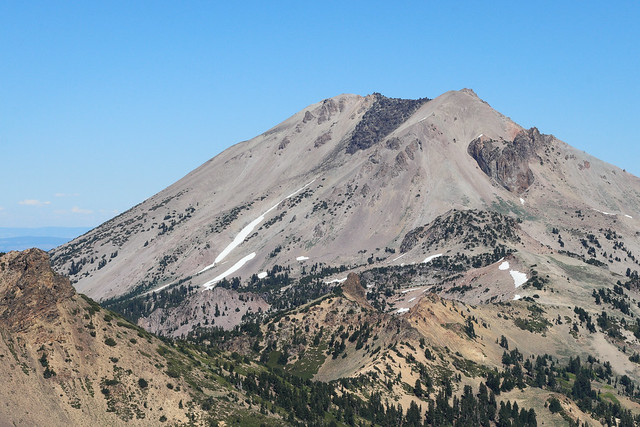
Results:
<point x="103" y="104"/>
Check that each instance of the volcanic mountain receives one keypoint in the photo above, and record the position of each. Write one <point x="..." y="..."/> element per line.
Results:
<point x="346" y="182"/>
<point x="407" y="251"/>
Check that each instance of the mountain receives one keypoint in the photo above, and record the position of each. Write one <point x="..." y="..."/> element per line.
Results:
<point x="65" y="360"/>
<point x="413" y="252"/>
<point x="343" y="180"/>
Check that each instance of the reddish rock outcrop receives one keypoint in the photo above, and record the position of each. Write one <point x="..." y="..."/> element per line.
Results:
<point x="507" y="162"/>
<point x="30" y="289"/>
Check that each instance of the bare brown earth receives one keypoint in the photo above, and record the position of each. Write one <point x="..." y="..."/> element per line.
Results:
<point x="219" y="307"/>
<point x="66" y="361"/>
<point x="397" y="343"/>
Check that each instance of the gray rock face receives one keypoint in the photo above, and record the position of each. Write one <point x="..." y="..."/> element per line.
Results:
<point x="507" y="162"/>
<point x="384" y="116"/>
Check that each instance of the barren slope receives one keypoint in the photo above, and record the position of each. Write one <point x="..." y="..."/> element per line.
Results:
<point x="343" y="182"/>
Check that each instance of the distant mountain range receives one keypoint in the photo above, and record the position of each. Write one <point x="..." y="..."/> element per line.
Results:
<point x="45" y="238"/>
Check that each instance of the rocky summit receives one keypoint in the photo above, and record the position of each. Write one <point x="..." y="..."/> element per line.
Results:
<point x="431" y="259"/>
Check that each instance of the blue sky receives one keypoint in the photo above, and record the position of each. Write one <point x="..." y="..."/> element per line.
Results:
<point x="103" y="104"/>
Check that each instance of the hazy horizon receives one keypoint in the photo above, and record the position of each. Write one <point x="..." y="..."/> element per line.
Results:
<point x="45" y="238"/>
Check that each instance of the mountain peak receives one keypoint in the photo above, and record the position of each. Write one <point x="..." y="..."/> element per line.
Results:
<point x="469" y="92"/>
<point x="341" y="183"/>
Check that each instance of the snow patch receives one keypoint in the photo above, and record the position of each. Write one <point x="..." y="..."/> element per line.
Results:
<point x="302" y="258"/>
<point x="402" y="310"/>
<point x="518" y="278"/>
<point x="430" y="257"/>
<point x="412" y="299"/>
<point x="159" y="289"/>
<point x="246" y="231"/>
<point x="521" y="201"/>
<point x="262" y="275"/>
<point x="336" y="281"/>
<point x="516" y="297"/>
<point x="410" y="290"/>
<point x="628" y="216"/>
<point x="243" y="234"/>
<point x="397" y="258"/>
<point x="604" y="213"/>
<point x="233" y="269"/>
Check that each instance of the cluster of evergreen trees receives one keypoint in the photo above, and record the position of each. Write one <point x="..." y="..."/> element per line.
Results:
<point x="314" y="403"/>
<point x="546" y="374"/>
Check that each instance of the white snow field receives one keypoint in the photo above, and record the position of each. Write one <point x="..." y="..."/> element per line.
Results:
<point x="302" y="258"/>
<point x="262" y="275"/>
<point x="521" y="201"/>
<point x="518" y="278"/>
<point x="210" y="284"/>
<point x="430" y="257"/>
<point x="516" y="297"/>
<point x="410" y="290"/>
<point x="246" y="231"/>
<point x="412" y="299"/>
<point x="402" y="310"/>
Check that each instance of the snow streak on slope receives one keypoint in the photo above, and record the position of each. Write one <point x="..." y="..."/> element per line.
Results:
<point x="603" y="212"/>
<point x="430" y="257"/>
<point x="246" y="231"/>
<point x="397" y="258"/>
<point x="233" y="269"/>
<point x="336" y="281"/>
